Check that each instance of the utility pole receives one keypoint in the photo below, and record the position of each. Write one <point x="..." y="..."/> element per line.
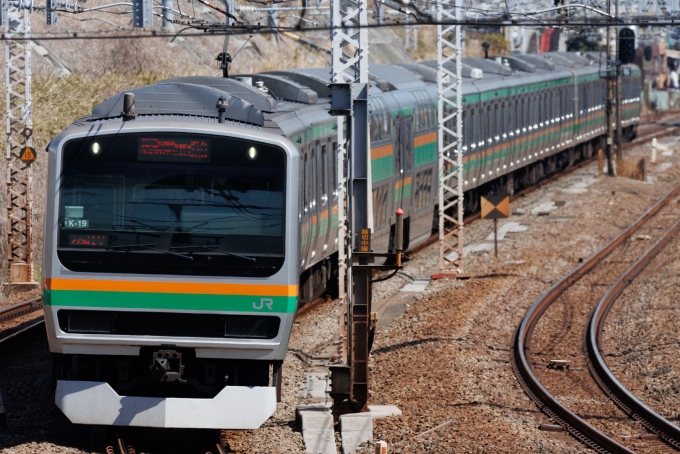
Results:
<point x="19" y="127"/>
<point x="610" y="95"/>
<point x="349" y="86"/>
<point x="449" y="138"/>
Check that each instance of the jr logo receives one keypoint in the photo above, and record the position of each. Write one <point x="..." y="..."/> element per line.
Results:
<point x="264" y="302"/>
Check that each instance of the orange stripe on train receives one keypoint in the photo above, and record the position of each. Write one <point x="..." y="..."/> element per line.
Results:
<point x="202" y="288"/>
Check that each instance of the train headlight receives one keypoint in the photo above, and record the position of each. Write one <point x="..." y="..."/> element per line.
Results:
<point x="96" y="148"/>
<point x="252" y="153"/>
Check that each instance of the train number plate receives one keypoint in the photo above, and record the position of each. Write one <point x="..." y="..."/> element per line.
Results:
<point x="73" y="223"/>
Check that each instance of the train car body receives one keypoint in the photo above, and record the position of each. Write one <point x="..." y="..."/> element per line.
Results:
<point x="182" y="238"/>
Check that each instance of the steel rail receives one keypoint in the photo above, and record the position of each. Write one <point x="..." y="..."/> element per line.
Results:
<point x="20" y="309"/>
<point x="15" y="332"/>
<point x="521" y="344"/>
<point x="626" y="401"/>
<point x="16" y="311"/>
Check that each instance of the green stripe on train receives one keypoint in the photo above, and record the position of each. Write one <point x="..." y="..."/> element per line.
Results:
<point x="425" y="154"/>
<point x="382" y="168"/>
<point x="170" y="301"/>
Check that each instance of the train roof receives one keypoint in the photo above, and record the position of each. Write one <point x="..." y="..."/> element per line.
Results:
<point x="291" y="99"/>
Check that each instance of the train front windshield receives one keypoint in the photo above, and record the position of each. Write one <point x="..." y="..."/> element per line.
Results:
<point x="184" y="204"/>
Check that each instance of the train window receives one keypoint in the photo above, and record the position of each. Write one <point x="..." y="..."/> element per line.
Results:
<point x="499" y="122"/>
<point x="474" y="128"/>
<point x="488" y="133"/>
<point x="381" y="124"/>
<point x="202" y="218"/>
<point x="466" y="129"/>
<point x="324" y="175"/>
<point x="380" y="206"/>
<point x="407" y="134"/>
<point x="313" y="179"/>
<point x="424" y="111"/>
<point x="334" y="166"/>
<point x="305" y="183"/>
<point x="423" y="190"/>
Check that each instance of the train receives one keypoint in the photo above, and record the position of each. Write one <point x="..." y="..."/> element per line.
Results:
<point x="189" y="218"/>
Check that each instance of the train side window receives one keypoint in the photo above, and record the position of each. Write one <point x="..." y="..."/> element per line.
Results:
<point x="499" y="121"/>
<point x="313" y="178"/>
<point x="334" y="174"/>
<point x="305" y="183"/>
<point x="380" y="206"/>
<point x="324" y="175"/>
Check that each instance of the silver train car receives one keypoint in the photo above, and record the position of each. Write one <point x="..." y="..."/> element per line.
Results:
<point x="182" y="236"/>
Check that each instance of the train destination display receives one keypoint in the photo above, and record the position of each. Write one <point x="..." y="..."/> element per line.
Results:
<point x="173" y="150"/>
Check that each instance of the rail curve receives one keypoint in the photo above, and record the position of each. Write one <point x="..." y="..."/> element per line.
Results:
<point x="626" y="401"/>
<point x="546" y="402"/>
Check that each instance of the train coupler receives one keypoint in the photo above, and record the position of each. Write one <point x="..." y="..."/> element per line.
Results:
<point x="166" y="366"/>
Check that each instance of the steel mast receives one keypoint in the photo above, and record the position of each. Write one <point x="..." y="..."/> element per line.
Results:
<point x="349" y="85"/>
<point x="17" y="25"/>
<point x="449" y="137"/>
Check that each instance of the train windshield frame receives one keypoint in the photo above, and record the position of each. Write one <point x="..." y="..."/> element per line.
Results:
<point x="172" y="203"/>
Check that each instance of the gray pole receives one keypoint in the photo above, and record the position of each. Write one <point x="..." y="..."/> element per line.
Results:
<point x="350" y="66"/>
<point x="610" y="96"/>
<point x="168" y="6"/>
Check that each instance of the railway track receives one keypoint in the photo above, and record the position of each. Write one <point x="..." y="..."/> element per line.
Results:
<point x="625" y="400"/>
<point x="20" y="310"/>
<point x="522" y="340"/>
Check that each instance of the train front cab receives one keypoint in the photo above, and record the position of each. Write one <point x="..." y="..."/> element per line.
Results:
<point x="170" y="272"/>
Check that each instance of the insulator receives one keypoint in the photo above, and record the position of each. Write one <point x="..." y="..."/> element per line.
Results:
<point x="131" y="450"/>
<point x="109" y="450"/>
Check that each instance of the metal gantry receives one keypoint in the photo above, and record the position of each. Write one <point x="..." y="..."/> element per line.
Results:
<point x="17" y="25"/>
<point x="449" y="134"/>
<point x="349" y="74"/>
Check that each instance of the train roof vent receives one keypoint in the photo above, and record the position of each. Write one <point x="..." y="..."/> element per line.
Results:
<point x="260" y="100"/>
<point x="558" y="59"/>
<point x="519" y="65"/>
<point x="596" y="57"/>
<point x="574" y="57"/>
<point x="315" y="78"/>
<point x="173" y="98"/>
<point x="318" y="79"/>
<point x="536" y="60"/>
<point x="428" y="74"/>
<point x="285" y="88"/>
<point x="466" y="70"/>
<point x="397" y="76"/>
<point x="488" y="66"/>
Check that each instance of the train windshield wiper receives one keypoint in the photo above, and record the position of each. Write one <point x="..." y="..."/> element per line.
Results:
<point x="163" y="245"/>
<point x="217" y="249"/>
<point x="131" y="247"/>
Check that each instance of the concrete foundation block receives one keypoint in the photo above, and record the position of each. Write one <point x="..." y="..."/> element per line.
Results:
<point x="383" y="411"/>
<point x="355" y="430"/>
<point x="317" y="429"/>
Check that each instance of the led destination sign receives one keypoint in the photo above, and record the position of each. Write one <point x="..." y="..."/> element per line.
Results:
<point x="173" y="150"/>
<point x="88" y="240"/>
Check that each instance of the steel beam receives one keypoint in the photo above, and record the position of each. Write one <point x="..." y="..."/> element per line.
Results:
<point x="18" y="126"/>
<point x="349" y="37"/>
<point x="449" y="137"/>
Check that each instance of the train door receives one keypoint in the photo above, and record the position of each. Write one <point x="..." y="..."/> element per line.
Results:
<point x="326" y="206"/>
<point x="305" y="216"/>
<point x="403" y="163"/>
<point x="312" y="202"/>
